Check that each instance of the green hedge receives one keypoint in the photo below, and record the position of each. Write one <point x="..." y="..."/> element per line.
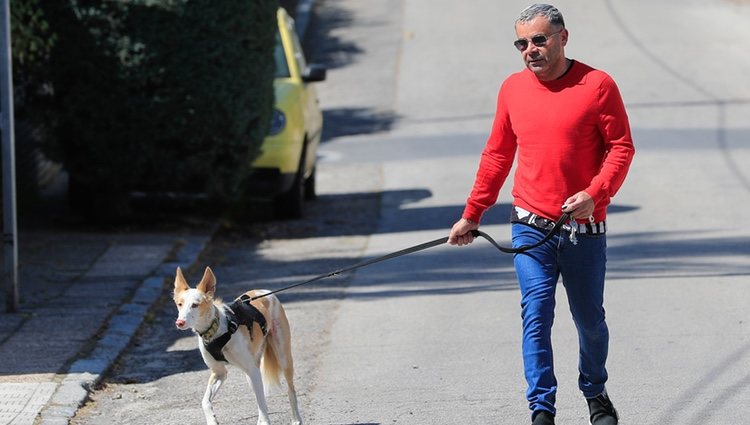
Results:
<point x="31" y="41"/>
<point x="159" y="95"/>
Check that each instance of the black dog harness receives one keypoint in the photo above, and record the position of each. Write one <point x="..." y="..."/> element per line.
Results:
<point x="239" y="313"/>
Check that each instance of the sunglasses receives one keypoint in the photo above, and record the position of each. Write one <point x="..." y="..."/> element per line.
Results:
<point x="538" y="40"/>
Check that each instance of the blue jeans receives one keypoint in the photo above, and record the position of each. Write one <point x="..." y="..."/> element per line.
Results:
<point x="582" y="268"/>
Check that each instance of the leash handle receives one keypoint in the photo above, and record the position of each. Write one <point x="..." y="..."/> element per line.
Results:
<point x="554" y="230"/>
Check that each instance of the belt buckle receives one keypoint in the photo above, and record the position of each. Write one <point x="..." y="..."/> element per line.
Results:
<point x="544" y="223"/>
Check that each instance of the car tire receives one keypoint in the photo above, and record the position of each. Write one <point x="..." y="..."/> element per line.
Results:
<point x="291" y="204"/>
<point x="310" y="191"/>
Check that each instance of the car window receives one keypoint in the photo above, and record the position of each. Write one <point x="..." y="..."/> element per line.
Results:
<point x="282" y="67"/>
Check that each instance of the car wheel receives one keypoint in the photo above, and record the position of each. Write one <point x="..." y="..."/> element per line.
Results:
<point x="290" y="204"/>
<point x="310" y="194"/>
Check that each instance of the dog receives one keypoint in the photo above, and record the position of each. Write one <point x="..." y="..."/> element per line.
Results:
<point x="260" y="346"/>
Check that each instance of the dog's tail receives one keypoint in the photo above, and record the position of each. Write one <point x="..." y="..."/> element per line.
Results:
<point x="277" y="354"/>
<point x="270" y="367"/>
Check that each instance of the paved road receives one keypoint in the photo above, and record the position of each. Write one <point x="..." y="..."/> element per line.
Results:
<point x="442" y="329"/>
<point x="434" y="338"/>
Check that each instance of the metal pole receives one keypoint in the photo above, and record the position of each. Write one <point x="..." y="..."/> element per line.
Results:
<point x="10" y="235"/>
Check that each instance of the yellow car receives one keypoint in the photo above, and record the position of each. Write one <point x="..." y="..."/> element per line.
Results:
<point x="285" y="169"/>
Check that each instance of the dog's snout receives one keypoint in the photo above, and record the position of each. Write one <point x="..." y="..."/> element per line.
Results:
<point x="179" y="323"/>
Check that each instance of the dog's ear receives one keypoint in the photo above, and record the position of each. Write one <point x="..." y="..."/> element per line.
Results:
<point x="180" y="284"/>
<point x="208" y="283"/>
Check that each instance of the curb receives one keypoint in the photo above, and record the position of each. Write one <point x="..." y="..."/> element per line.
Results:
<point x="85" y="373"/>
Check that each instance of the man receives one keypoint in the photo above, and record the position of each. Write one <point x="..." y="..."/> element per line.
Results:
<point x="567" y="123"/>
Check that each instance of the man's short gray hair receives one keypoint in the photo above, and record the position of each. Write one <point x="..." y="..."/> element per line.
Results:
<point x="546" y="10"/>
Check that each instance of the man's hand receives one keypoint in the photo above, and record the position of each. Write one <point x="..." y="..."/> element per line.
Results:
<point x="461" y="232"/>
<point x="579" y="205"/>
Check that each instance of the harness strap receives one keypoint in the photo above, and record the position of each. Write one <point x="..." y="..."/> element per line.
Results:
<point x="216" y="346"/>
<point x="239" y="313"/>
<point x="246" y="313"/>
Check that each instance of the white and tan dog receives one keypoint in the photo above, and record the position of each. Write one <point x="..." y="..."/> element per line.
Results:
<point x="263" y="356"/>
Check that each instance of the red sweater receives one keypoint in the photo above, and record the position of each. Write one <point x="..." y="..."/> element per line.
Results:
<point x="571" y="134"/>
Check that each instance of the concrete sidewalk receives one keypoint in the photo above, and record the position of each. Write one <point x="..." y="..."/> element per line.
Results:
<point x="84" y="294"/>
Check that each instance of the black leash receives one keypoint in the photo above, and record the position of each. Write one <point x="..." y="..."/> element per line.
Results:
<point x="477" y="233"/>
<point x="554" y="230"/>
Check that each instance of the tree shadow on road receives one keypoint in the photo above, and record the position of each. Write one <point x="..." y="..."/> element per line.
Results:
<point x="657" y="254"/>
<point x="323" y="45"/>
<point x="355" y="121"/>
<point x="438" y="272"/>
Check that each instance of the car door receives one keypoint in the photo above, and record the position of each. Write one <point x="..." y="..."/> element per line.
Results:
<point x="309" y="100"/>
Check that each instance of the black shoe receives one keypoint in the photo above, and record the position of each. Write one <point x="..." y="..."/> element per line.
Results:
<point x="542" y="417"/>
<point x="602" y="411"/>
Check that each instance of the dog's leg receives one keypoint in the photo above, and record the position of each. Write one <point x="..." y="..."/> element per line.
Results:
<point x="256" y="382"/>
<point x="281" y="340"/>
<point x="214" y="383"/>
<point x="282" y="347"/>
<point x="289" y="375"/>
<point x="246" y="361"/>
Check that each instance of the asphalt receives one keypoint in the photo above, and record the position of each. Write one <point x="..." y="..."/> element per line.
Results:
<point x="84" y="293"/>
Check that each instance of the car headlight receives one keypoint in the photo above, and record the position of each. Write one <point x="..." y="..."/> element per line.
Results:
<point x="278" y="122"/>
